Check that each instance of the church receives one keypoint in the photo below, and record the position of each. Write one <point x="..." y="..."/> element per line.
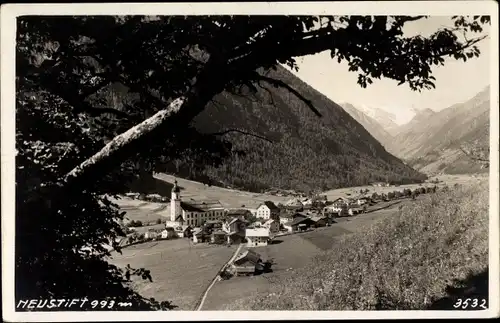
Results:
<point x="191" y="212"/>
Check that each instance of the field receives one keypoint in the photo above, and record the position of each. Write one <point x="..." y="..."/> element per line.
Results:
<point x="181" y="271"/>
<point x="420" y="258"/>
<point x="228" y="197"/>
<point x="290" y="253"/>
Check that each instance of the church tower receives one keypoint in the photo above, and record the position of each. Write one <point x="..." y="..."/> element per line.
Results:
<point x="175" y="203"/>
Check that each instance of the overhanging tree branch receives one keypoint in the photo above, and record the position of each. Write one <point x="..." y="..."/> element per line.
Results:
<point x="178" y="114"/>
<point x="121" y="141"/>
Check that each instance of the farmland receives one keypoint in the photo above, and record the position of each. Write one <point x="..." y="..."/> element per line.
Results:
<point x="180" y="270"/>
<point x="290" y="253"/>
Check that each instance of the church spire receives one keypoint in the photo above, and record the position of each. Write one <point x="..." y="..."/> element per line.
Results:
<point x="176" y="188"/>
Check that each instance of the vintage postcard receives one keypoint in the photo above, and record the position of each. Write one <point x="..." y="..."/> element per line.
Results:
<point x="248" y="161"/>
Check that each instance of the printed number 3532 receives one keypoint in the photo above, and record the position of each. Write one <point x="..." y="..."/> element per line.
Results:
<point x="470" y="303"/>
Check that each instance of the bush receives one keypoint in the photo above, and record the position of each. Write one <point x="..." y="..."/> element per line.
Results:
<point x="423" y="249"/>
<point x="158" y="221"/>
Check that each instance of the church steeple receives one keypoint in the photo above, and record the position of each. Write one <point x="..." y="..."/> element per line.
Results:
<point x="175" y="203"/>
<point x="176" y="188"/>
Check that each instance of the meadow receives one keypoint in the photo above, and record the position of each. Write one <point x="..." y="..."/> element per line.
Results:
<point x="180" y="270"/>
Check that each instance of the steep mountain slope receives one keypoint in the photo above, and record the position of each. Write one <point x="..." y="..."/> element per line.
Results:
<point x="432" y="141"/>
<point x="306" y="152"/>
<point x="370" y="124"/>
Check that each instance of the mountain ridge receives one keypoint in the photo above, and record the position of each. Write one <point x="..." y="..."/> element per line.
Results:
<point x="432" y="141"/>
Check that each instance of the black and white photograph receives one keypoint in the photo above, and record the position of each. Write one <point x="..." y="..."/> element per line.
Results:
<point x="310" y="160"/>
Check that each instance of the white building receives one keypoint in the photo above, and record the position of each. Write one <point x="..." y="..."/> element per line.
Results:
<point x="168" y="233"/>
<point x="257" y="237"/>
<point x="362" y="201"/>
<point x="192" y="213"/>
<point x="268" y="210"/>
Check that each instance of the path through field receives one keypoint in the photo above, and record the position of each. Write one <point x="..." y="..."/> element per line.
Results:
<point x="217" y="277"/>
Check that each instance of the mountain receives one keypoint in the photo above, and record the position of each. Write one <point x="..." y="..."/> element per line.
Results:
<point x="370" y="124"/>
<point x="419" y="117"/>
<point x="432" y="141"/>
<point x="307" y="152"/>
<point x="385" y="119"/>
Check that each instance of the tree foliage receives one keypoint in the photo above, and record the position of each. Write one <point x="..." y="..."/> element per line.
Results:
<point x="78" y="143"/>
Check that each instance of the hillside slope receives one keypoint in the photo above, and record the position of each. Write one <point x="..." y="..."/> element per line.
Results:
<point x="370" y="124"/>
<point x="431" y="142"/>
<point x="306" y="152"/>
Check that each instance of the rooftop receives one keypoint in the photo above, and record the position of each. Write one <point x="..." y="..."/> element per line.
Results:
<point x="248" y="255"/>
<point x="301" y="220"/>
<point x="270" y="205"/>
<point x="257" y="232"/>
<point x="201" y="206"/>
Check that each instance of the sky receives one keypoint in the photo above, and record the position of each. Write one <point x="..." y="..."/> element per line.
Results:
<point x="456" y="81"/>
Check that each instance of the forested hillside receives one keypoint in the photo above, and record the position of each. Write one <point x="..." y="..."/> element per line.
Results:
<point x="306" y="152"/>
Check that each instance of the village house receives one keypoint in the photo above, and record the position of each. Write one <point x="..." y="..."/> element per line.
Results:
<point x="155" y="198"/>
<point x="363" y="201"/>
<point x="151" y="234"/>
<point x="288" y="226"/>
<point x="284" y="218"/>
<point x="213" y="224"/>
<point x="272" y="225"/>
<point x="238" y="213"/>
<point x="132" y="195"/>
<point x="300" y="224"/>
<point x="268" y="210"/>
<point x="193" y="213"/>
<point x="199" y="235"/>
<point x="306" y="202"/>
<point x="246" y="263"/>
<point x="218" y="237"/>
<point x="339" y="207"/>
<point x="290" y="209"/>
<point x="168" y="233"/>
<point x="235" y="230"/>
<point x="183" y="231"/>
<point x="294" y="203"/>
<point x="257" y="237"/>
<point x="301" y="215"/>
<point x="321" y="221"/>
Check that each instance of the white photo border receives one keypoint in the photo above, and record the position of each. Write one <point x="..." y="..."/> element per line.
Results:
<point x="9" y="13"/>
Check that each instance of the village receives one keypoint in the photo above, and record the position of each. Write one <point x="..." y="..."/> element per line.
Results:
<point x="208" y="222"/>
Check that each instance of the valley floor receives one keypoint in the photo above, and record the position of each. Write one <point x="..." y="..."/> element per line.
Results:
<point x="410" y="244"/>
<point x="182" y="271"/>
